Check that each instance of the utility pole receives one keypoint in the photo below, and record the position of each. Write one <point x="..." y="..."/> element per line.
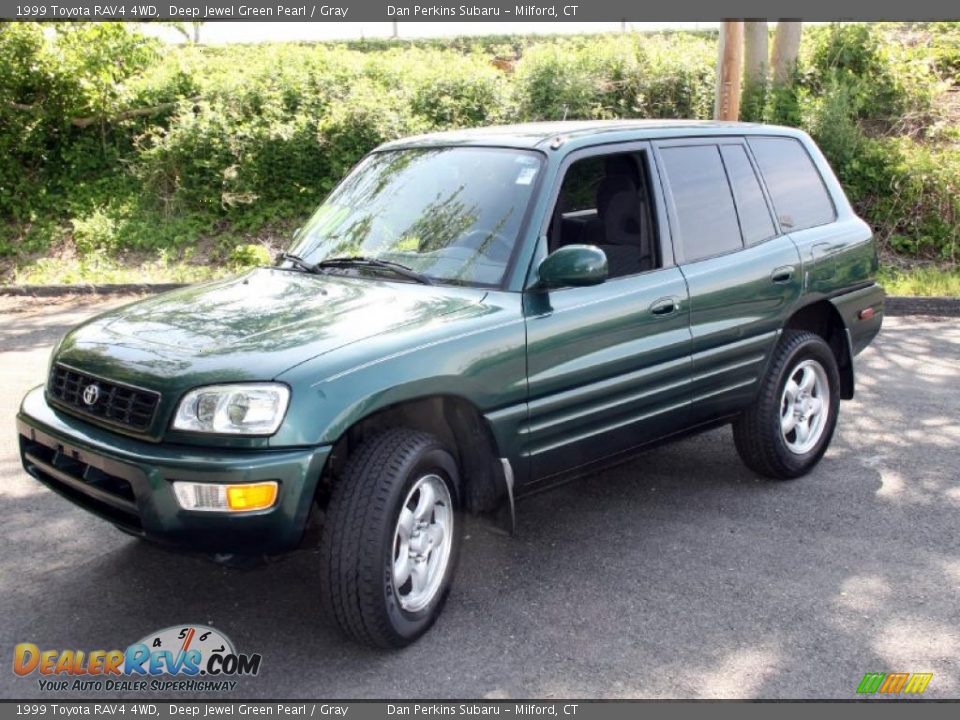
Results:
<point x="729" y="67"/>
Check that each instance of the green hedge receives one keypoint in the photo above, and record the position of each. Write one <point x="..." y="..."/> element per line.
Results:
<point x="112" y="143"/>
<point x="874" y="103"/>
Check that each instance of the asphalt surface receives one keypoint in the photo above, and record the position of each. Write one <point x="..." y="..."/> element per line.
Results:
<point x="679" y="574"/>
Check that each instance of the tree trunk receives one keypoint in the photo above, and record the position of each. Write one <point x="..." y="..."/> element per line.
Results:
<point x="786" y="48"/>
<point x="755" y="60"/>
<point x="729" y="66"/>
<point x="755" y="52"/>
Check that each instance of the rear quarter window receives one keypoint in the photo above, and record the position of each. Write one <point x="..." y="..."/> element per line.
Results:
<point x="799" y="196"/>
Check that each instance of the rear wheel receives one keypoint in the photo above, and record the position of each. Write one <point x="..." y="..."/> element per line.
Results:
<point x="391" y="538"/>
<point x="789" y="427"/>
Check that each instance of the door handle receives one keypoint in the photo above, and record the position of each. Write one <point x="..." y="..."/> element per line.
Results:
<point x="782" y="275"/>
<point x="665" y="306"/>
<point x="824" y="271"/>
<point x="818" y="250"/>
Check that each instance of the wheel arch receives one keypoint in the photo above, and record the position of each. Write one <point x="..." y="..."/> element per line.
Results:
<point x="453" y="419"/>
<point x="822" y="318"/>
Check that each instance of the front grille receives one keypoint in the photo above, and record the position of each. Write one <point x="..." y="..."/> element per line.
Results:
<point x="103" y="493"/>
<point x="115" y="403"/>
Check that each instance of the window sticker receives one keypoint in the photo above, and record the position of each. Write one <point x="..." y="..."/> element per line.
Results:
<point x="526" y="175"/>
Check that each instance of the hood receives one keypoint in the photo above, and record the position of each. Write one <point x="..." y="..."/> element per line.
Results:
<point x="251" y="327"/>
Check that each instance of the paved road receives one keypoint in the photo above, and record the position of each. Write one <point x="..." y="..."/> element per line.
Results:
<point x="678" y="575"/>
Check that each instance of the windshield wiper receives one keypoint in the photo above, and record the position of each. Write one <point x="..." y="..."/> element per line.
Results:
<point x="298" y="262"/>
<point x="361" y="261"/>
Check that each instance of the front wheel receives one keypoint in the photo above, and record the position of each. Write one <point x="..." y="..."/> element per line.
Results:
<point x="788" y="428"/>
<point x="391" y="538"/>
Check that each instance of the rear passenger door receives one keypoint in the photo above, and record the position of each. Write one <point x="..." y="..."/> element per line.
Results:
<point x="742" y="274"/>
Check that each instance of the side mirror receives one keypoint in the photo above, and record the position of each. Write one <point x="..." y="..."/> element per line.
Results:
<point x="573" y="265"/>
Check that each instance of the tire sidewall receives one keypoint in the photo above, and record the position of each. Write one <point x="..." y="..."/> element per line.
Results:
<point x="433" y="459"/>
<point x="812" y="348"/>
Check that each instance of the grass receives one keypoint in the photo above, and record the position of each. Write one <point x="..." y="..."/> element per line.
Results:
<point x="103" y="270"/>
<point x="921" y="281"/>
<point x="51" y="254"/>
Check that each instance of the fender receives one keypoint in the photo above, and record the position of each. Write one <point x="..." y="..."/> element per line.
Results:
<point x="862" y="314"/>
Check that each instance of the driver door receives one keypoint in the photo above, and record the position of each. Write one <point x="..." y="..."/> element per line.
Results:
<point x="608" y="365"/>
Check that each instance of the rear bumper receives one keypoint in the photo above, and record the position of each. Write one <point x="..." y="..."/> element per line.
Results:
<point x="128" y="482"/>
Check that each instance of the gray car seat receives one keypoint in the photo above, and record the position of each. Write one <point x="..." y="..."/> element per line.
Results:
<point x="622" y="226"/>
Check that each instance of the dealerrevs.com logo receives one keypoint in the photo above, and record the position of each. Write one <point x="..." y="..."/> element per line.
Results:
<point x="178" y="658"/>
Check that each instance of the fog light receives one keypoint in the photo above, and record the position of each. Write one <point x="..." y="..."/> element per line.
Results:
<point x="225" y="498"/>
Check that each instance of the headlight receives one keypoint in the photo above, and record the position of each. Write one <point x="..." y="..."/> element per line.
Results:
<point x="254" y="409"/>
<point x="53" y="354"/>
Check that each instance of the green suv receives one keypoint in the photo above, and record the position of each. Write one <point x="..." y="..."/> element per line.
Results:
<point x="468" y="317"/>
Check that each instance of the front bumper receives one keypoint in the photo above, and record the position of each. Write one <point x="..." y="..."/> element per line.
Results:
<point x="128" y="482"/>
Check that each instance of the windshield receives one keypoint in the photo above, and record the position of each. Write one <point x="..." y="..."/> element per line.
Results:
<point x="450" y="214"/>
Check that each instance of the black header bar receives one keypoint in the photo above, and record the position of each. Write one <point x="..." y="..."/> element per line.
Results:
<point x="478" y="11"/>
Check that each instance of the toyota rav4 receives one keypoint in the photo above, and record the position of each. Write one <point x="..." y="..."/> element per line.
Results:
<point x="468" y="317"/>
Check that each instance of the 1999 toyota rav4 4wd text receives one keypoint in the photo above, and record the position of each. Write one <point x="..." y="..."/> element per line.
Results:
<point x="470" y="316"/>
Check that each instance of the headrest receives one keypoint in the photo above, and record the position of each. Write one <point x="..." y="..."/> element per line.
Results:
<point x="621" y="176"/>
<point x="622" y="165"/>
<point x="621" y="220"/>
<point x="610" y="186"/>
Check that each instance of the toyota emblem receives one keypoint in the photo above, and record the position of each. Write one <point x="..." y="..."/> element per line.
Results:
<point x="91" y="393"/>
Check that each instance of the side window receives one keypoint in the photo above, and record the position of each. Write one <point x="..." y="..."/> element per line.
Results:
<point x="605" y="201"/>
<point x="580" y="184"/>
<point x="702" y="199"/>
<point x="756" y="225"/>
<point x="796" y="188"/>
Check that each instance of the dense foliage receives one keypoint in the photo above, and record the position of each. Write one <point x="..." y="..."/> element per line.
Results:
<point x="114" y="145"/>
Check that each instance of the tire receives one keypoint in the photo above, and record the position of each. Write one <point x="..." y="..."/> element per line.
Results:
<point x="363" y="551"/>
<point x="765" y="440"/>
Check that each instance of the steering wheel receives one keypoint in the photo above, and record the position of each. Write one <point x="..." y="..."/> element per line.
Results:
<point x="496" y="246"/>
<point x="382" y="230"/>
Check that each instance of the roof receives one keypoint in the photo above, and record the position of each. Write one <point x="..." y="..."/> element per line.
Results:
<point x="577" y="132"/>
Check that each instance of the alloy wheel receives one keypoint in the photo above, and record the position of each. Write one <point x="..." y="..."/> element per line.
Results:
<point x="804" y="407"/>
<point x="422" y="543"/>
